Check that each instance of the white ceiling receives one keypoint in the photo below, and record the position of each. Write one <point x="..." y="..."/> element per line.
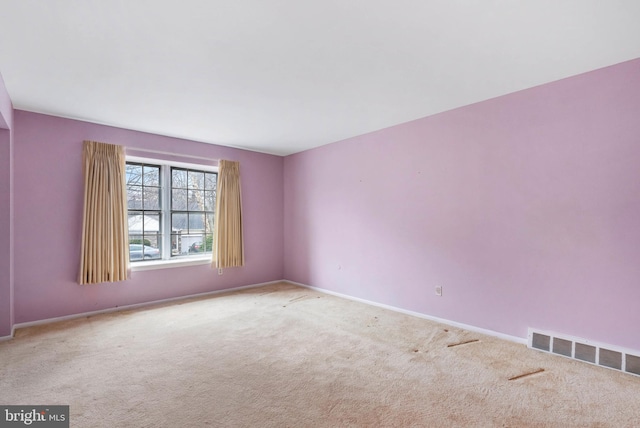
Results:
<point x="282" y="76"/>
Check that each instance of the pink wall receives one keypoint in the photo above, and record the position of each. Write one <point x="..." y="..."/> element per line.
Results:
<point x="525" y="208"/>
<point x="48" y="220"/>
<point x="6" y="212"/>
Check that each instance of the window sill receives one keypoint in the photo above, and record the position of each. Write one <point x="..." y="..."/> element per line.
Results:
<point x="167" y="264"/>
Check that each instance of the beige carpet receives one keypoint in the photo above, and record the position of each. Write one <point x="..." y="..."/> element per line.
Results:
<point x="284" y="356"/>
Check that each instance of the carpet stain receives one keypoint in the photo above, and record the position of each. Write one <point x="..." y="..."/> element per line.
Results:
<point x="301" y="298"/>
<point x="526" y="374"/>
<point x="374" y="322"/>
<point x="466" y="342"/>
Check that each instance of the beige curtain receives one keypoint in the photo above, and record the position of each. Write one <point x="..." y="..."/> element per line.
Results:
<point x="228" y="248"/>
<point x="105" y="250"/>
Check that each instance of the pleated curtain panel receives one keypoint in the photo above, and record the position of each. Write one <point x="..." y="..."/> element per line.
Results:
<point x="228" y="248"/>
<point x="105" y="234"/>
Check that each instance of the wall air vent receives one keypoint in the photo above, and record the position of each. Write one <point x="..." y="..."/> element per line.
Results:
<point x="611" y="357"/>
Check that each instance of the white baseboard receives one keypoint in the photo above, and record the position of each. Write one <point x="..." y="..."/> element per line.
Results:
<point x="520" y="340"/>
<point x="13" y="330"/>
<point x="129" y="307"/>
<point x="228" y="290"/>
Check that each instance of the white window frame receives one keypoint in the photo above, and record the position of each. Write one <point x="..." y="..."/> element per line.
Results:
<point x="165" y="214"/>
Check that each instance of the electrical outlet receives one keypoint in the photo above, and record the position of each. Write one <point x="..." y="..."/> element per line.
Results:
<point x="438" y="290"/>
<point x="219" y="271"/>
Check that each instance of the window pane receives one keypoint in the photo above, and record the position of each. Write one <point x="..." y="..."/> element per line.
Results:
<point x="150" y="249"/>
<point x="179" y="222"/>
<point x="209" y="201"/>
<point x="134" y="174"/>
<point x="151" y="198"/>
<point x="150" y="241"/>
<point x="134" y="197"/>
<point x="175" y="244"/>
<point x="151" y="175"/>
<point x="196" y="200"/>
<point x="152" y="223"/>
<point x="178" y="178"/>
<point x="135" y="242"/>
<point x="196" y="222"/>
<point x="210" y="181"/>
<point x="196" y="180"/>
<point x="135" y="247"/>
<point x="182" y="243"/>
<point x="193" y="243"/>
<point x="209" y="224"/>
<point x="208" y="243"/>
<point x="179" y="199"/>
<point x="135" y="223"/>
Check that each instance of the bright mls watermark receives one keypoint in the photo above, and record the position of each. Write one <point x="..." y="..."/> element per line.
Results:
<point x="34" y="416"/>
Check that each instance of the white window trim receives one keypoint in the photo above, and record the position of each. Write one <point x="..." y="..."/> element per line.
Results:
<point x="168" y="262"/>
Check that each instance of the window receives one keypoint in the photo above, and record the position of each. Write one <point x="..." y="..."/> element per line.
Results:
<point x="192" y="201"/>
<point x="170" y="209"/>
<point x="144" y="211"/>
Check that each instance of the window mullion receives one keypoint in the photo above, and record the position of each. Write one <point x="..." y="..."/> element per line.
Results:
<point x="166" y="211"/>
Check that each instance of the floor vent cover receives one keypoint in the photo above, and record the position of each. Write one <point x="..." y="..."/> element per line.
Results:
<point x="585" y="350"/>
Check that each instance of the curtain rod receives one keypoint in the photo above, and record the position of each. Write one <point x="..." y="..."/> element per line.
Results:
<point x="159" y="152"/>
